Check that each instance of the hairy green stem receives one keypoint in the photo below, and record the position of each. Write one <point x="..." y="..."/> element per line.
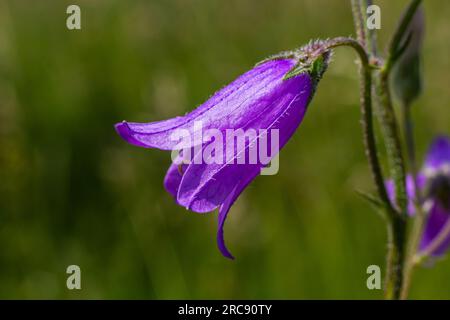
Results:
<point x="369" y="135"/>
<point x="398" y="262"/>
<point x="366" y="114"/>
<point x="396" y="257"/>
<point x="419" y="220"/>
<point x="365" y="36"/>
<point x="407" y="263"/>
<point x="360" y="22"/>
<point x="391" y="136"/>
<point x="395" y="252"/>
<point x="396" y="222"/>
<point x="396" y="248"/>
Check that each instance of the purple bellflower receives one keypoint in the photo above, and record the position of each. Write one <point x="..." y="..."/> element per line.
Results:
<point x="434" y="182"/>
<point x="273" y="95"/>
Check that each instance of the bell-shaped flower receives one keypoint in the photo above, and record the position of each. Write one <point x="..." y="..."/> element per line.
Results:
<point x="215" y="143"/>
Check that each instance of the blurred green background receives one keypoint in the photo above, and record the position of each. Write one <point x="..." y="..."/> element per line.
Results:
<point x="72" y="192"/>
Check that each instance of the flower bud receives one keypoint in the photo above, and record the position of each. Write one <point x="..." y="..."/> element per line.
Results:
<point x="407" y="72"/>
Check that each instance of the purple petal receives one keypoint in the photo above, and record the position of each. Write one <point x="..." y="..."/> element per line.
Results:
<point x="174" y="175"/>
<point x="438" y="154"/>
<point x="172" y="179"/>
<point x="228" y="108"/>
<point x="437" y="218"/>
<point x="410" y="190"/>
<point x="201" y="194"/>
<point x="205" y="186"/>
<point x="223" y="213"/>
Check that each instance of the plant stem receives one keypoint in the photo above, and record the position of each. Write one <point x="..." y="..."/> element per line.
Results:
<point x="419" y="220"/>
<point x="365" y="36"/>
<point x="369" y="135"/>
<point x="397" y="229"/>
<point x="358" y="19"/>
<point x="395" y="223"/>
<point x="366" y="114"/>
<point x="414" y="238"/>
<point x="395" y="257"/>
<point x="387" y="118"/>
<point x="390" y="132"/>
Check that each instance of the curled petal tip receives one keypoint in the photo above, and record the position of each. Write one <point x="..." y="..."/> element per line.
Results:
<point x="124" y="131"/>
<point x="228" y="255"/>
<point x="223" y="249"/>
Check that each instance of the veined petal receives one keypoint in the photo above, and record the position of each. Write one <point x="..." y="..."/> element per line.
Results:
<point x="436" y="220"/>
<point x="205" y="186"/>
<point x="228" y="108"/>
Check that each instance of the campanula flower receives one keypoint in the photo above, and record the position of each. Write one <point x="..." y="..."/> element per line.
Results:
<point x="434" y="182"/>
<point x="274" y="95"/>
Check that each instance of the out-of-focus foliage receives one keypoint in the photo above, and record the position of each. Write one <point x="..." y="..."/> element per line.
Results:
<point x="72" y="192"/>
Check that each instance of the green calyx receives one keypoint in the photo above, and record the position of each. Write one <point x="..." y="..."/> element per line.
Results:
<point x="315" y="69"/>
<point x="312" y="59"/>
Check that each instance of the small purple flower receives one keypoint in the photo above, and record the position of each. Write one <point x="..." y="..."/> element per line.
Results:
<point x="273" y="95"/>
<point x="434" y="182"/>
